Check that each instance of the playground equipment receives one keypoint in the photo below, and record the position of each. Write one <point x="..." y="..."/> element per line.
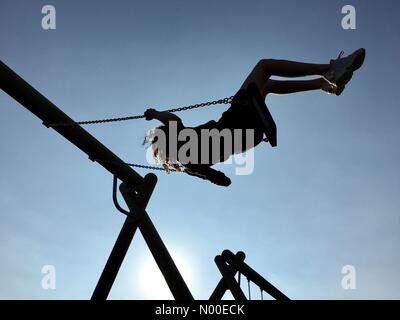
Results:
<point x="136" y="191"/>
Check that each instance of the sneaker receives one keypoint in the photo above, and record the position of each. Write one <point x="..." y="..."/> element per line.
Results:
<point x="329" y="87"/>
<point x="332" y="88"/>
<point x="341" y="69"/>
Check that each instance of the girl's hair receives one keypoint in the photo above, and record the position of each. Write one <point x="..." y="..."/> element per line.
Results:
<point x="160" y="149"/>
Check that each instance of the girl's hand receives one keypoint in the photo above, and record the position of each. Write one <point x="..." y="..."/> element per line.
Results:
<point x="150" y="114"/>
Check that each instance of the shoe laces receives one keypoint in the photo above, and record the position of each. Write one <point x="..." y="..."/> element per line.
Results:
<point x="341" y="53"/>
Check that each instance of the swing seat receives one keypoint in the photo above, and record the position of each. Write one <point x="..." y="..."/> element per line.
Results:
<point x="268" y="123"/>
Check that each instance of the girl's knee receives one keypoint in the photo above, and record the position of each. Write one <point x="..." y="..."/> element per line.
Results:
<point x="262" y="63"/>
<point x="263" y="66"/>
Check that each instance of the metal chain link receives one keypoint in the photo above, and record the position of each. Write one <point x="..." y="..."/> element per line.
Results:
<point x="108" y="120"/>
<point x="248" y="288"/>
<point x="203" y="104"/>
<point x="142" y="166"/>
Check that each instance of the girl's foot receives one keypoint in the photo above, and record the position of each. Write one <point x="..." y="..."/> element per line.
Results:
<point x="329" y="87"/>
<point x="332" y="88"/>
<point x="341" y="69"/>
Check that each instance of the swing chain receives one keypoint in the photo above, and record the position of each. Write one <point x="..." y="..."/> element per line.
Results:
<point x="249" y="288"/>
<point x="107" y="120"/>
<point x="142" y="166"/>
<point x="203" y="104"/>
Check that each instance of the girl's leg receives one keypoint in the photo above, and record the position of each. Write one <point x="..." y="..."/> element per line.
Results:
<point x="266" y="68"/>
<point x="287" y="87"/>
<point x="289" y="69"/>
<point x="337" y="72"/>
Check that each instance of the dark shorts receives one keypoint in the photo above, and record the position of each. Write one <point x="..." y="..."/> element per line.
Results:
<point x="242" y="115"/>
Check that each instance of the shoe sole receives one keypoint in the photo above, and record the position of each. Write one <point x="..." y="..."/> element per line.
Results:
<point x="345" y="78"/>
<point x="339" y="90"/>
<point x="358" y="60"/>
<point x="343" y="81"/>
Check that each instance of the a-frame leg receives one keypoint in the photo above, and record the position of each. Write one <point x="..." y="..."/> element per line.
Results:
<point x="255" y="277"/>
<point x="124" y="239"/>
<point x="115" y="259"/>
<point x="228" y="280"/>
<point x="136" y="204"/>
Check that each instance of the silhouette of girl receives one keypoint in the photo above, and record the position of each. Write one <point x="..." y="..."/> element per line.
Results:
<point x="333" y="78"/>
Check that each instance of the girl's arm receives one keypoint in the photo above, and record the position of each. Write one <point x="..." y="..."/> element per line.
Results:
<point x="162" y="116"/>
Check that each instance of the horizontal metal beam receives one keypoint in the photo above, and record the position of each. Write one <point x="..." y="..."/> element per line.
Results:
<point x="16" y="87"/>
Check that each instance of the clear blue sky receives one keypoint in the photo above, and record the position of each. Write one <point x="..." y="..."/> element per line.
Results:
<point x="326" y="197"/>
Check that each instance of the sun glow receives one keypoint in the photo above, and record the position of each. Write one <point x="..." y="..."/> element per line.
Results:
<point x="152" y="282"/>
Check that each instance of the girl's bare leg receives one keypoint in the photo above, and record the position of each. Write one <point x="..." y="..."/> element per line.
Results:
<point x="287" y="87"/>
<point x="266" y="68"/>
<point x="290" y="69"/>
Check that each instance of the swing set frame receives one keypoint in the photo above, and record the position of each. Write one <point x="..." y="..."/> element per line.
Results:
<point x="136" y="191"/>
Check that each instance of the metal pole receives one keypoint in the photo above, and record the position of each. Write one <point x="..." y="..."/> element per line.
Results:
<point x="221" y="287"/>
<point x="229" y="278"/>
<point x="124" y="239"/>
<point x="253" y="276"/>
<point x="45" y="110"/>
<point x="40" y="106"/>
<point x="115" y="259"/>
<point x="165" y="263"/>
